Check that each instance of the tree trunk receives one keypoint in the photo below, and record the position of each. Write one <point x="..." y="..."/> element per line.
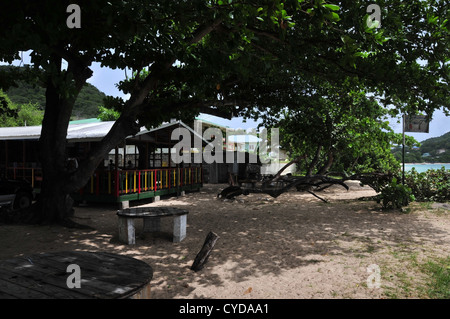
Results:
<point x="56" y="205"/>
<point x="314" y="162"/>
<point x="58" y="182"/>
<point x="327" y="165"/>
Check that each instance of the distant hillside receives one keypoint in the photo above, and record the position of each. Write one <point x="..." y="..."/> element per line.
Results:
<point x="86" y="106"/>
<point x="432" y="150"/>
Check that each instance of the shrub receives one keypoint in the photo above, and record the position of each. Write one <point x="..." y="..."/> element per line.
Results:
<point x="395" y="195"/>
<point x="432" y="185"/>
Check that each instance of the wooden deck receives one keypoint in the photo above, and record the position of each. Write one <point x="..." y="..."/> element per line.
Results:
<point x="102" y="276"/>
<point x="117" y="186"/>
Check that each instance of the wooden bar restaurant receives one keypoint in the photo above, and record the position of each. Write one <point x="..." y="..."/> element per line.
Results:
<point x="140" y="167"/>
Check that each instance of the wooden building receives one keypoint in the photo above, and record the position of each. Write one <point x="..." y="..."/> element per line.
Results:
<point x="140" y="167"/>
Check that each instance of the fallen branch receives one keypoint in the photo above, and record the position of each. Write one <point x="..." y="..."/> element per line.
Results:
<point x="203" y="255"/>
<point x="322" y="199"/>
<point x="281" y="184"/>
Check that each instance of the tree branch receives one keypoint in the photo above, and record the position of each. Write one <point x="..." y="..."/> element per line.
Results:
<point x="266" y="34"/>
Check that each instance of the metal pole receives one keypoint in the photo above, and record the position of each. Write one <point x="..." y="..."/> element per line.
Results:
<point x="403" y="152"/>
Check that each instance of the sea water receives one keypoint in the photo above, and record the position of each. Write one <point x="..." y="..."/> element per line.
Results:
<point x="423" y="167"/>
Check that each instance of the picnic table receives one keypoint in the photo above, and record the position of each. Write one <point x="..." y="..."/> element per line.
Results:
<point x="152" y="222"/>
<point x="48" y="276"/>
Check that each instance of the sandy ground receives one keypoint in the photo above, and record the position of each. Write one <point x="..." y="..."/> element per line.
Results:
<point x="294" y="246"/>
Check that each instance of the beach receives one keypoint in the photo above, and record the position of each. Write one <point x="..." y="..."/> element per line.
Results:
<point x="290" y="247"/>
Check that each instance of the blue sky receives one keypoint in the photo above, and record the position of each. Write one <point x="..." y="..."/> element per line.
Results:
<point x="105" y="80"/>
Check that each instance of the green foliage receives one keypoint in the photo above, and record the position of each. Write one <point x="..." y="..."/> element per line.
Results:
<point x="22" y="115"/>
<point x="29" y="115"/>
<point x="88" y="100"/>
<point x="86" y="105"/>
<point x="432" y="185"/>
<point x="340" y="130"/>
<point x="8" y="111"/>
<point x="396" y="195"/>
<point x="254" y="54"/>
<point x="107" y="114"/>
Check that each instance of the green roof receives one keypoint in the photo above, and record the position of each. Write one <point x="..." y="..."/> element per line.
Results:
<point x="85" y="121"/>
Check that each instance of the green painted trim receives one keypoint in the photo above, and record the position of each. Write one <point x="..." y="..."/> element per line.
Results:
<point x="105" y="198"/>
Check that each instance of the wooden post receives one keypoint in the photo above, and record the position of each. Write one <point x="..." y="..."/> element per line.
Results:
<point x="97" y="183"/>
<point x="153" y="157"/>
<point x="205" y="252"/>
<point x="6" y="159"/>
<point x="146" y="156"/>
<point x="23" y="159"/>
<point x="124" y="162"/>
<point x="139" y="182"/>
<point x="116" y="176"/>
<point x="109" y="182"/>
<point x="135" y="155"/>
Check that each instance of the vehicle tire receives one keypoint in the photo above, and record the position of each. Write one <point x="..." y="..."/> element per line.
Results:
<point x="23" y="200"/>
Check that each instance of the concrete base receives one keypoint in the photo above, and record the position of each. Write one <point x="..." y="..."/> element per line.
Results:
<point x="179" y="228"/>
<point x="124" y="204"/>
<point x="127" y="231"/>
<point x="151" y="222"/>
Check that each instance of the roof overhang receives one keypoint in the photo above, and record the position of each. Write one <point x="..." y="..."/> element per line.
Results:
<point x="95" y="132"/>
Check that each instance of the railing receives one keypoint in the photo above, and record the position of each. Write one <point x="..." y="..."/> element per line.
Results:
<point x="122" y="182"/>
<point x="30" y="174"/>
<point x="137" y="181"/>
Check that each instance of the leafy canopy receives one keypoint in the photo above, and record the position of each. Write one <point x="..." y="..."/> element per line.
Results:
<point x="253" y="59"/>
<point x="205" y="53"/>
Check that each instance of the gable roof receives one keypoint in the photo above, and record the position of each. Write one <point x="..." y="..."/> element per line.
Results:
<point x="94" y="131"/>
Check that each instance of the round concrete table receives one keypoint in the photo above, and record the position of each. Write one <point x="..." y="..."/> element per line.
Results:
<point x="74" y="275"/>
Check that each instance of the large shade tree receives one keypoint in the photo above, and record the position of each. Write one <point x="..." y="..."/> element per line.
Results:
<point x="224" y="57"/>
<point x="340" y="117"/>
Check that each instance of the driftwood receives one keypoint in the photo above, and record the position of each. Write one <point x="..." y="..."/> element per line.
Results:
<point x="202" y="257"/>
<point x="277" y="185"/>
<point x="283" y="184"/>
<point x="231" y="192"/>
<point x="306" y="183"/>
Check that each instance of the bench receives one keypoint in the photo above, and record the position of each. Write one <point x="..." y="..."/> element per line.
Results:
<point x="152" y="222"/>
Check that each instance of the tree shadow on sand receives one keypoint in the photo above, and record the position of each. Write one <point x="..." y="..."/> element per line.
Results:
<point x="257" y="236"/>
